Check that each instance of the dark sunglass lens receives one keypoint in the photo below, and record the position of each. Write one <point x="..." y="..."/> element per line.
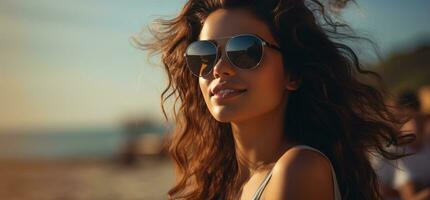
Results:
<point x="200" y="57"/>
<point x="245" y="51"/>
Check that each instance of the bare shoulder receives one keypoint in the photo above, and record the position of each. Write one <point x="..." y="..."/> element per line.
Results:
<point x="301" y="174"/>
<point x="301" y="160"/>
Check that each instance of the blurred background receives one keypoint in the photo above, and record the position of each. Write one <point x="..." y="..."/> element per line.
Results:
<point x="80" y="113"/>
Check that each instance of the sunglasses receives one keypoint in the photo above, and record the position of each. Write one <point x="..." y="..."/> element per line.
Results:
<point x="243" y="51"/>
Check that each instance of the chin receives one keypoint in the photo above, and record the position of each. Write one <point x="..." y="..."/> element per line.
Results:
<point x="223" y="118"/>
<point x="226" y="116"/>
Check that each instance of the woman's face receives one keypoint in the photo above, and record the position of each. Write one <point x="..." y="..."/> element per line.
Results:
<point x="265" y="86"/>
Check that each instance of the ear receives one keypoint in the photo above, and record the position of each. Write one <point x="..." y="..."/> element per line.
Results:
<point x="292" y="83"/>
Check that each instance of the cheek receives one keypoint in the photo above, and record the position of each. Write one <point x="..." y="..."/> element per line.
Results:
<point x="269" y="84"/>
<point x="204" y="88"/>
<point x="220" y="113"/>
<point x="270" y="78"/>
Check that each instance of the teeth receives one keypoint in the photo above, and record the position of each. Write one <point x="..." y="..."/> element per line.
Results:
<point x="225" y="92"/>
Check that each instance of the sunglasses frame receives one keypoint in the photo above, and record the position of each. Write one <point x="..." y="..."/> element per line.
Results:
<point x="263" y="42"/>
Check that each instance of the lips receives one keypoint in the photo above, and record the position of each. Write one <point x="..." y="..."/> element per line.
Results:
<point x="224" y="89"/>
<point x="223" y="93"/>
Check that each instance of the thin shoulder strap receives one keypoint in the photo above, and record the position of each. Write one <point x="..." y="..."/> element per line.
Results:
<point x="263" y="184"/>
<point x="336" y="190"/>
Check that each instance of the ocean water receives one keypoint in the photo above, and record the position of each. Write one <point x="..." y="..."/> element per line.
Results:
<point x="96" y="142"/>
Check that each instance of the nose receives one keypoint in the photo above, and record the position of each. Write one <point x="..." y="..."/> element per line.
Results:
<point x="223" y="67"/>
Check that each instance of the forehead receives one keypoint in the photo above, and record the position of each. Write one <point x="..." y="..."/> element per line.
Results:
<point x="226" y="23"/>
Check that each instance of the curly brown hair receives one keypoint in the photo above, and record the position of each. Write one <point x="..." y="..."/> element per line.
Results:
<point x="332" y="110"/>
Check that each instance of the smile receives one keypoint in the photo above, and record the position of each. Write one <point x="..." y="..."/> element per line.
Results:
<point x="227" y="94"/>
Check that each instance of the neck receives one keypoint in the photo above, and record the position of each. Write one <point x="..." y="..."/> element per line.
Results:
<point x="260" y="141"/>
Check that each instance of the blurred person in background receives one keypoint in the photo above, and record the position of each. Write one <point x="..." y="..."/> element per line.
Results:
<point x="270" y="106"/>
<point x="392" y="174"/>
<point x="412" y="178"/>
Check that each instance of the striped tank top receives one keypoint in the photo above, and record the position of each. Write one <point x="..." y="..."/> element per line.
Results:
<point x="263" y="184"/>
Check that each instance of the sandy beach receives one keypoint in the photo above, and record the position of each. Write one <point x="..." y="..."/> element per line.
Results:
<point x="149" y="179"/>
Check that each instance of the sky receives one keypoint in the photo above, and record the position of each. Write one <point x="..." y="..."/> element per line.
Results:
<point x="70" y="63"/>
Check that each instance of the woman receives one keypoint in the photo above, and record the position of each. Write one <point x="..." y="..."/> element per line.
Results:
<point x="268" y="104"/>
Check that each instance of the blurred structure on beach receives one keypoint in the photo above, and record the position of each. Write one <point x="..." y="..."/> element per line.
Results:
<point x="143" y="138"/>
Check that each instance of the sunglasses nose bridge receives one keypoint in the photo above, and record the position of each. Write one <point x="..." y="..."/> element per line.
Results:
<point x="222" y="65"/>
